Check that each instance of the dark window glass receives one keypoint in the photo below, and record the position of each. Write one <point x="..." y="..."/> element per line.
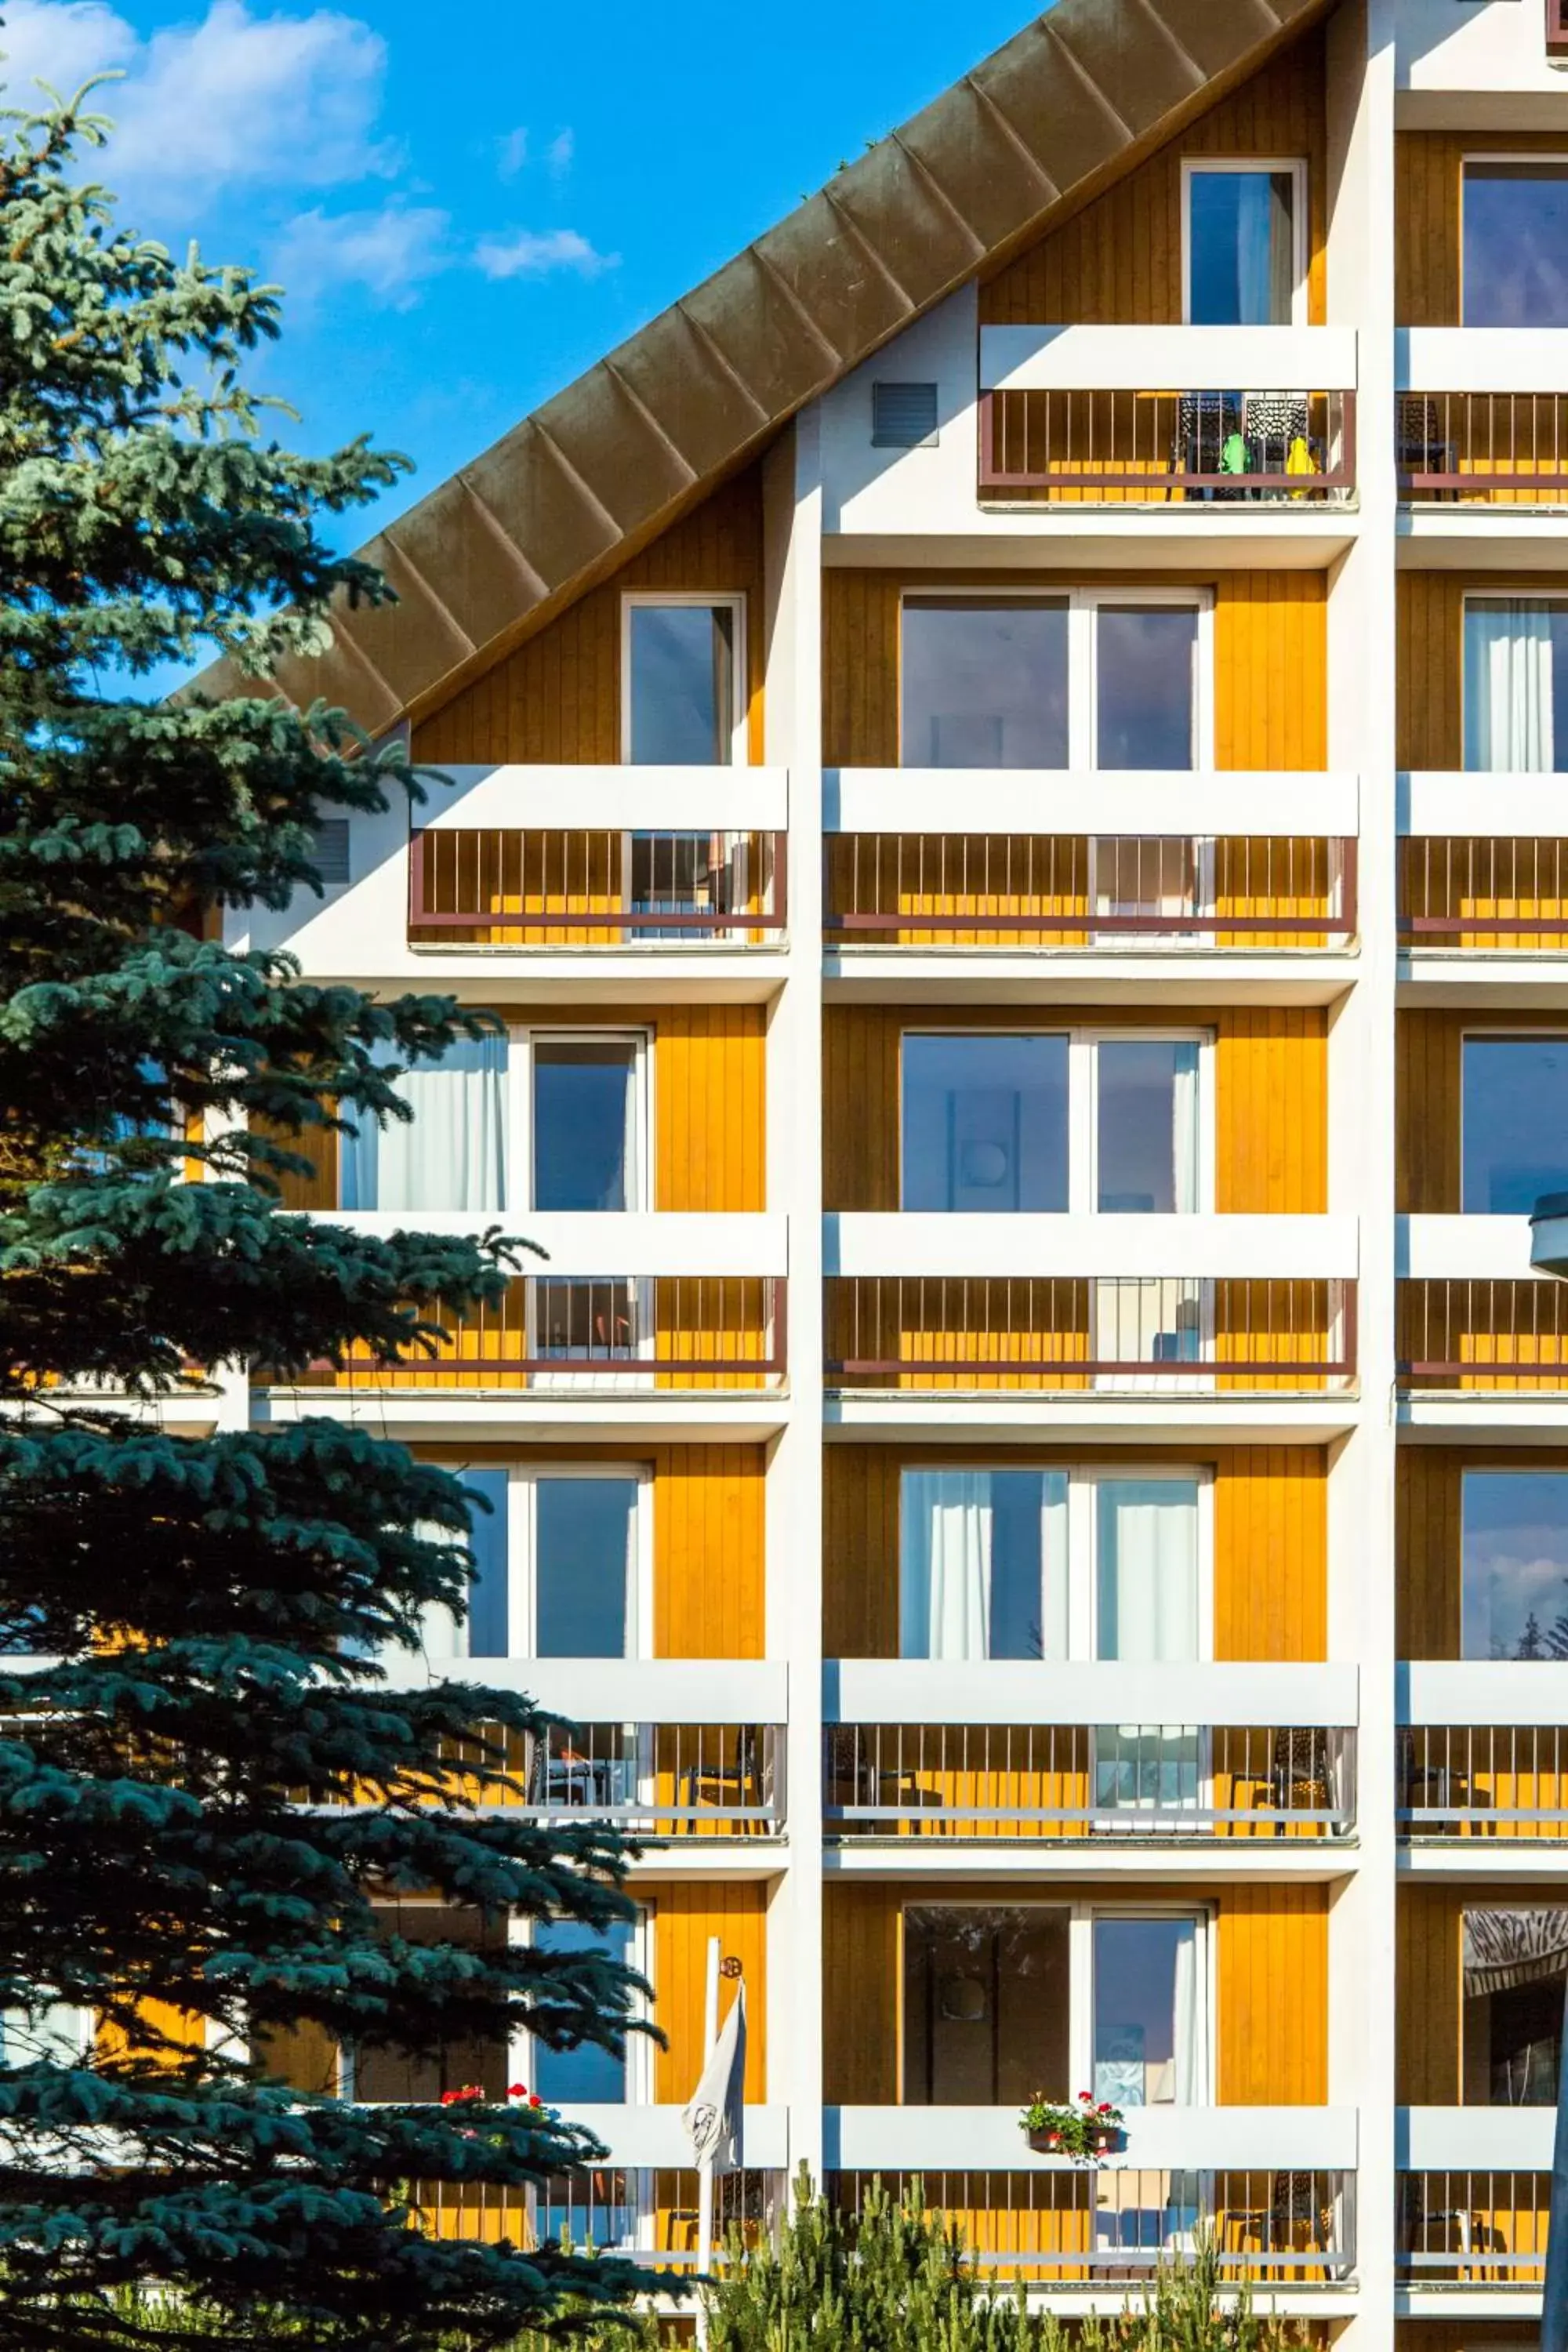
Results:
<point x="986" y="1123"/>
<point x="584" y="1127"/>
<point x="1516" y="245"/>
<point x="586" y="2076"/>
<point x="682" y="685"/>
<point x="1241" y="230"/>
<point x="584" y="1539"/>
<point x="489" y="1613"/>
<point x="1146" y="1127"/>
<point x="1145" y="673"/>
<point x="985" y="682"/>
<point x="1515" y="1555"/>
<point x="1515" y="1123"/>
<point x="384" y="2074"/>
<point x="1146" y="2030"/>
<point x="1515" y="1959"/>
<point x="986" y="2005"/>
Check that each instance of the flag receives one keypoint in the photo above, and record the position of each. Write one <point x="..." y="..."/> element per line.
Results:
<point x="715" y="2119"/>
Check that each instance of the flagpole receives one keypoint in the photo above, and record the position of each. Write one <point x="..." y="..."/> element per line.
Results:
<point x="705" y="2167"/>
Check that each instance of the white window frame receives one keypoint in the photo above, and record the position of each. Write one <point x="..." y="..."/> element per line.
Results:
<point x="1083" y="1480"/>
<point x="525" y="1479"/>
<point x="1193" y="166"/>
<point x="1081" y="604"/>
<point x="1498" y="1033"/>
<point x="730" y="600"/>
<point x="1493" y="155"/>
<point x="522" y="1039"/>
<point x="1082" y="1915"/>
<point x="640" y="1956"/>
<point x="1083" y="1102"/>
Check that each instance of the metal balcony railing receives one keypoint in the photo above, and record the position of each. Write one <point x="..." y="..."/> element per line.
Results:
<point x="1509" y="895"/>
<point x="1503" y="1782"/>
<point x="1485" y="449"/>
<point x="1089" y="447"/>
<point x="1473" y="2229"/>
<point x="1483" y="1335"/>
<point x="490" y="888"/>
<point x="661" y="1781"/>
<point x="1184" y="1333"/>
<point x="1044" y="890"/>
<point x="650" y="2214"/>
<point x="1290" y="2229"/>
<point x="620" y="1335"/>
<point x="1048" y="1783"/>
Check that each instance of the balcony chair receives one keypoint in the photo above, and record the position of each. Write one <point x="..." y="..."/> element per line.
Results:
<point x="1440" y="1786"/>
<point x="1295" y="2204"/>
<point x="848" y="1765"/>
<point x="1418" y="446"/>
<point x="1300" y="1776"/>
<point x="1457" y="2230"/>
<point x="749" y="1780"/>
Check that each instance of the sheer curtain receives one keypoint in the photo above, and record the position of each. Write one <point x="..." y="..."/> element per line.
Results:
<point x="1255" y="249"/>
<point x="945" y="1581"/>
<point x="1184" y="1128"/>
<point x="1147" y="1611"/>
<point x="1509" y="720"/>
<point x="1189" y="2023"/>
<point x="452" y="1153"/>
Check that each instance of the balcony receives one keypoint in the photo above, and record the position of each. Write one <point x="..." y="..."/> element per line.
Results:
<point x="1481" y="418"/>
<point x="1502" y="892"/>
<point x="1039" y="1755"/>
<point x="1483" y="1757"/>
<point x="1475" y="2191"/>
<point x="1153" y="417"/>
<point x="1023" y="876"/>
<point x="1189" y="1306"/>
<point x="1275" y="2185"/>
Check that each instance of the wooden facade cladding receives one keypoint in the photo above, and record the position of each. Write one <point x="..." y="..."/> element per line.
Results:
<point x="1428" y="245"/>
<point x="1270" y="1523"/>
<point x="1430" y="1967"/>
<point x="555" y="699"/>
<point x="1271" y="1997"/>
<point x="1118" y="262"/>
<point x="684" y="1918"/>
<point x="1270" y="1087"/>
<point x="1270" y="641"/>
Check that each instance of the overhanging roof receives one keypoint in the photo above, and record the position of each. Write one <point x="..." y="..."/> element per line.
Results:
<point x="1079" y="97"/>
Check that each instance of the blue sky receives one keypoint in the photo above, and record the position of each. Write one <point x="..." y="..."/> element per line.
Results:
<point x="469" y="200"/>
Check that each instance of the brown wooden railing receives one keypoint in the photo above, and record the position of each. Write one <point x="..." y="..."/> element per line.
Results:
<point x="1483" y="1334"/>
<point x="603" y="889"/>
<point x="1052" y="1332"/>
<point x="661" y="1781"/>
<point x="1494" y="1781"/>
<point x="652" y="2215"/>
<point x="1487" y="448"/>
<point x="1482" y="893"/>
<point x="1067" y="890"/>
<point x="1473" y="2229"/>
<point x="1167" y="448"/>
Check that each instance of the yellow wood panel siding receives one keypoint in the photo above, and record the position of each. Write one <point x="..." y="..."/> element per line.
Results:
<point x="1429" y="1984"/>
<point x="708" y="1109"/>
<point x="1271" y="1989"/>
<point x="1270" y="661"/>
<point x="684" y="1918"/>
<point x="1270" y="1107"/>
<point x="1119" y="261"/>
<point x="1271" y="1997"/>
<point x="1427" y="208"/>
<point x="1455" y="2335"/>
<point x="1270" y="1544"/>
<point x="320" y="1146"/>
<point x="557" y="696"/>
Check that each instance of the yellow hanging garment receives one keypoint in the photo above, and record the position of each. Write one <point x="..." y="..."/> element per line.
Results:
<point x="1299" y="461"/>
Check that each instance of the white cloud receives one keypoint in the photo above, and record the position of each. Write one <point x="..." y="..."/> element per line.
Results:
<point x="535" y="253"/>
<point x="390" y="251"/>
<point x="559" y="154"/>
<point x="514" y="153"/>
<point x="231" y="100"/>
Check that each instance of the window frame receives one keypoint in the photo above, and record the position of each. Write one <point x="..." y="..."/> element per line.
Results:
<point x="1496" y="1033"/>
<point x="1083" y="1108"/>
<point x="521" y="1552"/>
<point x="730" y="599"/>
<point x="522" y="1039"/>
<point x="1495" y="155"/>
<point x="641" y="1955"/>
<point x="1083" y="1913"/>
<point x="1299" y="169"/>
<point x="1553" y="1465"/>
<point x="1082" y="603"/>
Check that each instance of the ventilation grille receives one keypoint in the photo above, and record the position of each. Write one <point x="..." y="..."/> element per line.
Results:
<point x="903" y="417"/>
<point x="333" y="849"/>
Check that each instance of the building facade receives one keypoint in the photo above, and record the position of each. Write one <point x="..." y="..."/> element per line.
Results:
<point x="1002" y="785"/>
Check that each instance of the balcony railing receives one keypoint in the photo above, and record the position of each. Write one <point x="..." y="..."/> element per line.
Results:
<point x="1473" y="2227"/>
<point x="1150" y="448"/>
<point x="1181" y="1333"/>
<point x="674" y="1780"/>
<point x="1132" y="1782"/>
<point x="490" y="886"/>
<point x="1483" y="1335"/>
<point x="1061" y="890"/>
<point x="1486" y="448"/>
<point x="650" y="2214"/>
<point x="1503" y="1782"/>
<point x="1505" y="895"/>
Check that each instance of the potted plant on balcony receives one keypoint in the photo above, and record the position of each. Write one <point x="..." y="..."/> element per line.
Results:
<point x="1086" y="2130"/>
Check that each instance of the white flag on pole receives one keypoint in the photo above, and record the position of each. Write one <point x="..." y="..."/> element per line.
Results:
<point x="715" y="2121"/>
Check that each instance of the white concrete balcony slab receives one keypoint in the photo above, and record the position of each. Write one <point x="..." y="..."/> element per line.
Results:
<point x="1463" y="1691"/>
<point x="1165" y="2139"/>
<point x="1475" y="2139"/>
<point x="1464" y="1249"/>
<point x="1152" y="803"/>
<point x="595" y="1245"/>
<point x="1135" y="359"/>
<point x="1475" y="65"/>
<point x="627" y="1690"/>
<point x="653" y="2138"/>
<point x="902" y="1245"/>
<point x="1478" y="360"/>
<point x="1088" y="1691"/>
<point x="1463" y="805"/>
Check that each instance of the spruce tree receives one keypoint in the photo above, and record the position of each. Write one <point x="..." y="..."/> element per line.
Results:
<point x="205" y="1782"/>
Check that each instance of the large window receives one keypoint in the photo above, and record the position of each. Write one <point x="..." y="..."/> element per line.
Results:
<point x="683" y="699"/>
<point x="1100" y="678"/>
<point x="1003" y="2001"/>
<point x="587" y="2076"/>
<point x="383" y="2073"/>
<point x="1515" y="242"/>
<point x="560" y="1566"/>
<point x="1516" y="681"/>
<point x="1514" y="1123"/>
<point x="1054" y="1564"/>
<point x="1244" y="243"/>
<point x="995" y="1123"/>
<point x="1515" y="1961"/>
<point x="1515" y="1563"/>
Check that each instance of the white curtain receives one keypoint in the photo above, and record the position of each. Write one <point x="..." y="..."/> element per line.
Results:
<point x="1189" y="2022"/>
<point x="1148" y="1569"/>
<point x="1054" y="1567"/>
<point x="1255" y="249"/>
<point x="944" y="1574"/>
<point x="452" y="1154"/>
<point x="1184" y="1128"/>
<point x="1508" y="720"/>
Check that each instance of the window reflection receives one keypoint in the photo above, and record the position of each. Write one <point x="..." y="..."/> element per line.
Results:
<point x="986" y="2005"/>
<point x="986" y="1123"/>
<point x="1514" y="1550"/>
<point x="586" y="2076"/>
<point x="1145" y="677"/>
<point x="985" y="682"/>
<point x="1241" y="248"/>
<point x="683" y="688"/>
<point x="1514" y="1111"/>
<point x="1515" y="1961"/>
<point x="1516" y="245"/>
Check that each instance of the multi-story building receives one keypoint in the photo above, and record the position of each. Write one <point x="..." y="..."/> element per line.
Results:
<point x="1003" y="765"/>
